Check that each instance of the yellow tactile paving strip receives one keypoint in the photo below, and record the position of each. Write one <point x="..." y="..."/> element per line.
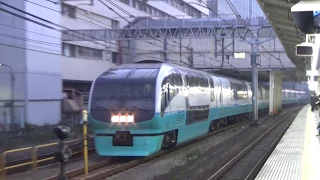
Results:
<point x="297" y="156"/>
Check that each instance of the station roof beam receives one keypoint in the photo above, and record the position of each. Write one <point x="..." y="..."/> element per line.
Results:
<point x="279" y="14"/>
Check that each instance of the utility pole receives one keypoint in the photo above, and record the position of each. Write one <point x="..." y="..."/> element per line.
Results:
<point x="255" y="98"/>
<point x="190" y="58"/>
<point x="12" y="83"/>
<point x="165" y="48"/>
<point x="222" y="50"/>
<point x="254" y="84"/>
<point x="180" y="45"/>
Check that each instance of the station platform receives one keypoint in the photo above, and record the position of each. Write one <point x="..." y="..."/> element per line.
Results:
<point x="297" y="156"/>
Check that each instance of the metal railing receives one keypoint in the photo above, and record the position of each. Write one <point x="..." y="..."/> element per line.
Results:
<point x="34" y="157"/>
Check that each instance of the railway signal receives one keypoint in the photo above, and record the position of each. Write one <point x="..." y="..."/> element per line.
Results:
<point x="64" y="153"/>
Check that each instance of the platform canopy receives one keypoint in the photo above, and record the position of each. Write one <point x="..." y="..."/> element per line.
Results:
<point x="279" y="14"/>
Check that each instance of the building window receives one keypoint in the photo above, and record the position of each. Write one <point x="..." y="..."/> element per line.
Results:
<point x="127" y="2"/>
<point x="115" y="56"/>
<point x="68" y="10"/>
<point x="90" y="52"/>
<point x="81" y="51"/>
<point x="142" y="6"/>
<point x="115" y="24"/>
<point x="69" y="50"/>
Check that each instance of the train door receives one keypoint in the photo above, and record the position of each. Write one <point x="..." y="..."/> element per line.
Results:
<point x="217" y="97"/>
<point x="222" y="86"/>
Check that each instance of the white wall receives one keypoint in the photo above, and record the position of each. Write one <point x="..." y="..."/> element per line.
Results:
<point x="86" y="20"/>
<point x="83" y="69"/>
<point x="102" y="10"/>
<point x="44" y="80"/>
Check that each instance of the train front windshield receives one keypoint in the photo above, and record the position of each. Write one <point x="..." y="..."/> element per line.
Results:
<point x="127" y="93"/>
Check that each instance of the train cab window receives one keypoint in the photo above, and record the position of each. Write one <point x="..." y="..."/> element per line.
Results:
<point x="211" y="89"/>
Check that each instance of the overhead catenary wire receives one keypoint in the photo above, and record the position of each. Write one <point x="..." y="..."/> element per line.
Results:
<point x="37" y="4"/>
<point x="44" y="42"/>
<point x="50" y="27"/>
<point x="132" y="16"/>
<point x="45" y="20"/>
<point x="98" y="25"/>
<point x="40" y="19"/>
<point x="51" y="53"/>
<point x="239" y="17"/>
<point x="47" y="26"/>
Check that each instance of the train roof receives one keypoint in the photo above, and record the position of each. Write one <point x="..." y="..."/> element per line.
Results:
<point x="156" y="64"/>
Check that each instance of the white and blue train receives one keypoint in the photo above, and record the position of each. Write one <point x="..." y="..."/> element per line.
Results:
<point x="138" y="109"/>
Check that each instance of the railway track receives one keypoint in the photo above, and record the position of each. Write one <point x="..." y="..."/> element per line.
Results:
<point x="114" y="166"/>
<point x="247" y="164"/>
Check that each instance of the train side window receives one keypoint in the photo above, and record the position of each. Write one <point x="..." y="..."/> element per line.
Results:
<point x="260" y="93"/>
<point x="191" y="81"/>
<point x="236" y="87"/>
<point x="234" y="94"/>
<point x="211" y="89"/>
<point x="178" y="81"/>
<point x="246" y="91"/>
<point x="283" y="94"/>
<point x="164" y="94"/>
<point x="187" y="80"/>
<point x="267" y="95"/>
<point x="196" y="81"/>
<point x="206" y="81"/>
<point x="232" y="91"/>
<point x="241" y="92"/>
<point x="202" y="83"/>
<point x="172" y="92"/>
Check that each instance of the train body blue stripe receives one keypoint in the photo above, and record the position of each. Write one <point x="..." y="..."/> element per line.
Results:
<point x="146" y="145"/>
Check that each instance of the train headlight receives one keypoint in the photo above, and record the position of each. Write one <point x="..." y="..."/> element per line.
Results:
<point x="115" y="118"/>
<point x="130" y="118"/>
<point x="122" y="118"/>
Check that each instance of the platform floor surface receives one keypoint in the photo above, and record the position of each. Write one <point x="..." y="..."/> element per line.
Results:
<point x="297" y="156"/>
